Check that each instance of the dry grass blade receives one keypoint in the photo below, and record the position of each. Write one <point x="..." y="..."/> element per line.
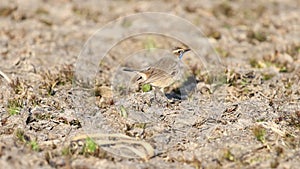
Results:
<point x="273" y="126"/>
<point x="139" y="153"/>
<point x="5" y="77"/>
<point x="120" y="141"/>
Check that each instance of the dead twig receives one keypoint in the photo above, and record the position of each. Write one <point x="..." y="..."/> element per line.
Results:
<point x="119" y="141"/>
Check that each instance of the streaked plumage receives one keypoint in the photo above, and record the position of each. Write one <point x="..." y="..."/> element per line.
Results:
<point x="163" y="73"/>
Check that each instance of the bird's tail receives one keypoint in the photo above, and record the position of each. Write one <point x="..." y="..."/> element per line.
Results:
<point x="130" y="69"/>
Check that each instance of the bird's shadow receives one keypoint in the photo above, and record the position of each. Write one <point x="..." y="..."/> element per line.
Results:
<point x="184" y="90"/>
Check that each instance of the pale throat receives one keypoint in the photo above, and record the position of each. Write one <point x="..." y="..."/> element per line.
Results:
<point x="181" y="55"/>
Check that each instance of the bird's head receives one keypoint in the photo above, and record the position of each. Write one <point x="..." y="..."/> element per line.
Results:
<point x="178" y="51"/>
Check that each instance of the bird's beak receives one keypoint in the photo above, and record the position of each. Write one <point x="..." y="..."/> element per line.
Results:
<point x="186" y="50"/>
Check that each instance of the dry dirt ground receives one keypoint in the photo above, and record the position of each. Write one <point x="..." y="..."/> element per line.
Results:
<point x="244" y="115"/>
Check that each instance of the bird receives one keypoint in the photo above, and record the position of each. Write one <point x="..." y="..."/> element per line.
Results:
<point x="162" y="73"/>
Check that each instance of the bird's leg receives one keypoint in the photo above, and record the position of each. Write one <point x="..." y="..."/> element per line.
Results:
<point x="155" y="93"/>
<point x="155" y="98"/>
<point x="159" y="96"/>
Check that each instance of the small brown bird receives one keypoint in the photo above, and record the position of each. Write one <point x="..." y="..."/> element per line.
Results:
<point x="163" y="73"/>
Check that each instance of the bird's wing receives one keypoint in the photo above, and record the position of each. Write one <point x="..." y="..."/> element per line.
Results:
<point x="158" y="75"/>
